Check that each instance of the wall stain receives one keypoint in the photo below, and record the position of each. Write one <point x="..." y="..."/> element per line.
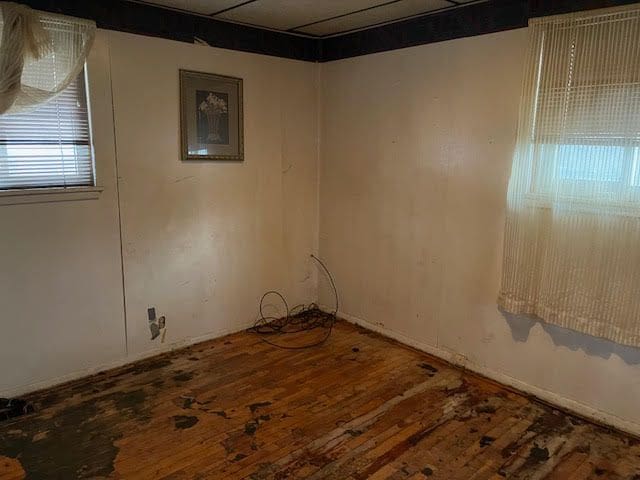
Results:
<point x="182" y="179"/>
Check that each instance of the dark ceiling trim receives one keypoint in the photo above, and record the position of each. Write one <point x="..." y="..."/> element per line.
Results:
<point x="542" y="8"/>
<point x="144" y="19"/>
<point x="388" y="22"/>
<point x="469" y="20"/>
<point x="475" y="19"/>
<point x="466" y="21"/>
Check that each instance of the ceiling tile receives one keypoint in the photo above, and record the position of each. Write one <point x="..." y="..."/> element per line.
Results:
<point x="312" y="17"/>
<point x="204" y="7"/>
<point x="385" y="13"/>
<point x="286" y="14"/>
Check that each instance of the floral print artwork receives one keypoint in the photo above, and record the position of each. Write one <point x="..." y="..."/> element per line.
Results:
<point x="213" y="117"/>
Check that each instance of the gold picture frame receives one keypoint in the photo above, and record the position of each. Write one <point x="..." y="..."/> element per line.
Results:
<point x="211" y="117"/>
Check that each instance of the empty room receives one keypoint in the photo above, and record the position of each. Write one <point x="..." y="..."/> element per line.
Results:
<point x="320" y="239"/>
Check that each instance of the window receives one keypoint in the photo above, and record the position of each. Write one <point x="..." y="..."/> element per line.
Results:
<point x="572" y="231"/>
<point x="605" y="172"/>
<point x="49" y="146"/>
<point x="585" y="118"/>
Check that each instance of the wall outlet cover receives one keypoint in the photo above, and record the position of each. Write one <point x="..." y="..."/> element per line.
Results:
<point x="155" y="331"/>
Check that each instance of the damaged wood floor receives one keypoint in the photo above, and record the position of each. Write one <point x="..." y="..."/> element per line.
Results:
<point x="359" y="407"/>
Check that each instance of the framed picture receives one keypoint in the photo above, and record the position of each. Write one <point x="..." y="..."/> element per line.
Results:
<point x="211" y="117"/>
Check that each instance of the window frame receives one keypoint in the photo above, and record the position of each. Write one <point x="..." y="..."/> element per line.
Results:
<point x="61" y="193"/>
<point x="629" y="181"/>
<point x="541" y="193"/>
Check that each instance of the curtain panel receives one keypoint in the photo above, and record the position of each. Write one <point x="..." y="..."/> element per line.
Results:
<point x="40" y="55"/>
<point x="572" y="236"/>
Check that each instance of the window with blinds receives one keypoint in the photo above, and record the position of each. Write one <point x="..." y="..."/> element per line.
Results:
<point x="586" y="110"/>
<point x="49" y="146"/>
<point x="572" y="226"/>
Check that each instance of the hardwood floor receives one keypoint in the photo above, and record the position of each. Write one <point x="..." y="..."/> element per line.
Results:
<point x="358" y="407"/>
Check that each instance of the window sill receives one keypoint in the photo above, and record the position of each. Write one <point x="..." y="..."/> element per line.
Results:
<point x="584" y="205"/>
<point x="48" y="195"/>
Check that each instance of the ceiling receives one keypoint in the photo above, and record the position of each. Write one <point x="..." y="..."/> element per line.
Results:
<point x="317" y="18"/>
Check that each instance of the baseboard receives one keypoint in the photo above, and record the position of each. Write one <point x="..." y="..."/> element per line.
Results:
<point x="120" y="362"/>
<point x="455" y="358"/>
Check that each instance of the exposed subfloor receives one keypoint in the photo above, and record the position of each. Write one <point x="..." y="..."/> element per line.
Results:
<point x="358" y="407"/>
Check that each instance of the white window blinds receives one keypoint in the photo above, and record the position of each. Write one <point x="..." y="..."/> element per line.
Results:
<point x="50" y="145"/>
<point x="572" y="236"/>
<point x="585" y="118"/>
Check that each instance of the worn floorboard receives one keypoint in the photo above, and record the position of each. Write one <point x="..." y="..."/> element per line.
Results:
<point x="358" y="407"/>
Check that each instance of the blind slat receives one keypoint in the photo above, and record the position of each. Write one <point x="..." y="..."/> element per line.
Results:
<point x="49" y="146"/>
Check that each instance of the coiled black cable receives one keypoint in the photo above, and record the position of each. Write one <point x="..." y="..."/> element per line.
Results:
<point x="300" y="318"/>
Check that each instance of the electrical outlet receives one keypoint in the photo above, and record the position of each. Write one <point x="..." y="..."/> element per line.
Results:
<point x="156" y="325"/>
<point x="155" y="331"/>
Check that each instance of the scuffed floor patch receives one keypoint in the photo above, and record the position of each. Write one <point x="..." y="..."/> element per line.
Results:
<point x="239" y="408"/>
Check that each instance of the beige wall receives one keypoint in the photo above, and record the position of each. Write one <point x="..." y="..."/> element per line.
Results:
<point x="416" y="152"/>
<point x="201" y="241"/>
<point x="416" y="155"/>
<point x="60" y="277"/>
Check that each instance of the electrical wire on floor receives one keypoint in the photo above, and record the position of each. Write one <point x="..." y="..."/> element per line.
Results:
<point x="300" y="318"/>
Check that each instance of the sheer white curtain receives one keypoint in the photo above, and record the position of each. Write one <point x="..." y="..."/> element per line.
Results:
<point x="40" y="55"/>
<point x="572" y="239"/>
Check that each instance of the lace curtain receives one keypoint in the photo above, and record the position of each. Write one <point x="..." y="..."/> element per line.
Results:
<point x="40" y="55"/>
<point x="572" y="238"/>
